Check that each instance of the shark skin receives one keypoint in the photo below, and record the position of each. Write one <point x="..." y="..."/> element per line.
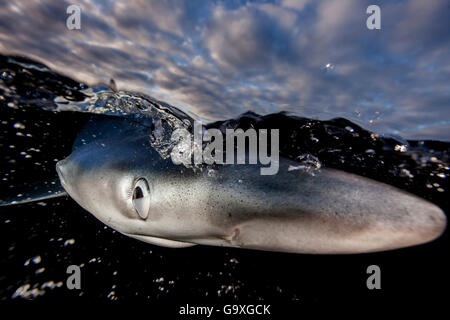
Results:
<point x="330" y="212"/>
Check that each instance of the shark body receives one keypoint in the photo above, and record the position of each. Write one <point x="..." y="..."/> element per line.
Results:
<point x="120" y="179"/>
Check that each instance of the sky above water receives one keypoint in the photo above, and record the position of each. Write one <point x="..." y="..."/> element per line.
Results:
<point x="218" y="59"/>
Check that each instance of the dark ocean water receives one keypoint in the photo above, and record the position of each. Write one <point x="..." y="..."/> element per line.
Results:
<point x="41" y="113"/>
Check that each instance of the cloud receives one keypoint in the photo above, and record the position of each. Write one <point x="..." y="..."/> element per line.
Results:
<point x="294" y="4"/>
<point x="219" y="58"/>
<point x="250" y="37"/>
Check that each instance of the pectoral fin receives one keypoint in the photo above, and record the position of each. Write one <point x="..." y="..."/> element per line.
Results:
<point x="33" y="192"/>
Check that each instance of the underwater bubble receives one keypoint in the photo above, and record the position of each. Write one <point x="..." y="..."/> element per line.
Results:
<point x="35" y="260"/>
<point x="39" y="271"/>
<point x="187" y="123"/>
<point x="51" y="284"/>
<point x="19" y="125"/>
<point x="401" y="148"/>
<point x="112" y="295"/>
<point x="25" y="292"/>
<point x="292" y="168"/>
<point x="211" y="173"/>
<point x="159" y="280"/>
<point x="350" y="129"/>
<point x="69" y="242"/>
<point x="308" y="163"/>
<point x="7" y="75"/>
<point x="405" y="173"/>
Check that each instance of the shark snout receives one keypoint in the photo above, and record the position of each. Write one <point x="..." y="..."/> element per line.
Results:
<point x="60" y="170"/>
<point x="66" y="172"/>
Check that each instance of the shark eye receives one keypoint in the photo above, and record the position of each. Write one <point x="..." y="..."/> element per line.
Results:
<point x="141" y="198"/>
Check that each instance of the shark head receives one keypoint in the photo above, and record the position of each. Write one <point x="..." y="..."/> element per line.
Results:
<point x="108" y="181"/>
<point x="114" y="177"/>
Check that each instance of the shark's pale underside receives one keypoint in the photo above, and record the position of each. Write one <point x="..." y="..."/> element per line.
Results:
<point x="118" y="176"/>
